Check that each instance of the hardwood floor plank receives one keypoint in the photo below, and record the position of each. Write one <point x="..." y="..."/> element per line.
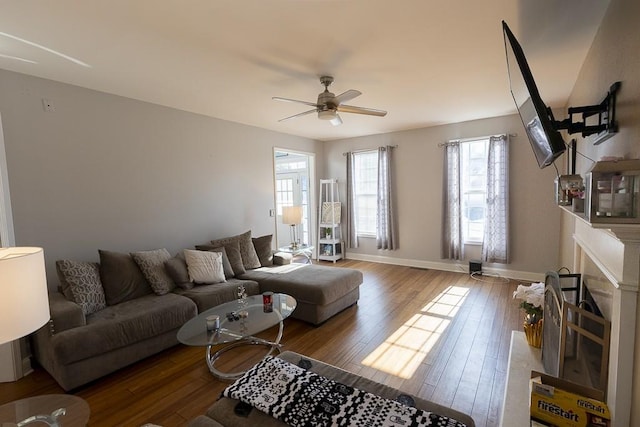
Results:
<point x="437" y="335"/>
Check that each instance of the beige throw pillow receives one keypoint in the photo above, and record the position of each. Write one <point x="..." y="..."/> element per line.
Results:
<point x="204" y="266"/>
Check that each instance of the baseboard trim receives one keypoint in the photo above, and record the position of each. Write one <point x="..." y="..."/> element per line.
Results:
<point x="458" y="267"/>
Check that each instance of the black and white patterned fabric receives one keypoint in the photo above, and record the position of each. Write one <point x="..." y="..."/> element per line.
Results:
<point x="302" y="398"/>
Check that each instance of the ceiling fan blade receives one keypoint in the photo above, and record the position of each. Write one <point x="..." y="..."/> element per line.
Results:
<point x="298" y="115"/>
<point x="277" y="98"/>
<point x="336" y="121"/>
<point x="347" y="96"/>
<point x="361" y="110"/>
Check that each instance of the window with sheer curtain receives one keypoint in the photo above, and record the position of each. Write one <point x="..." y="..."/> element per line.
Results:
<point x="371" y="207"/>
<point x="475" y="199"/>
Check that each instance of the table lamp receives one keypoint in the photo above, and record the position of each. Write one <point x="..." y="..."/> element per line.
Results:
<point x="292" y="215"/>
<point x="24" y="300"/>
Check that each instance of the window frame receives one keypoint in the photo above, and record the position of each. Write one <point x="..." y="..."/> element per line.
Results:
<point x="466" y="158"/>
<point x="359" y="193"/>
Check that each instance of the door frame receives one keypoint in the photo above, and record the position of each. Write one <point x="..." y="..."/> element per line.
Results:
<point x="12" y="364"/>
<point x="312" y="191"/>
<point x="7" y="236"/>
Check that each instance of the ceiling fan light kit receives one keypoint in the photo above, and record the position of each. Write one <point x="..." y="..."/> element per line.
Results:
<point x="328" y="105"/>
<point x="327" y="114"/>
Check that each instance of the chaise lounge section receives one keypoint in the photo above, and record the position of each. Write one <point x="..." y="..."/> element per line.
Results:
<point x="321" y="292"/>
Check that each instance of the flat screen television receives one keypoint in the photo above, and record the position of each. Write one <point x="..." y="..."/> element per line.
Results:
<point x="538" y="121"/>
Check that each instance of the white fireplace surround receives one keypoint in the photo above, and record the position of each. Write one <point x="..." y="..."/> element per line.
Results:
<point x="608" y="257"/>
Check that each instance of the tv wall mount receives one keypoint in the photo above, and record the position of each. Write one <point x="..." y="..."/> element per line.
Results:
<point x="605" y="114"/>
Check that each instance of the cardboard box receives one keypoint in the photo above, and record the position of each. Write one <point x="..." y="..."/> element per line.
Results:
<point x="560" y="403"/>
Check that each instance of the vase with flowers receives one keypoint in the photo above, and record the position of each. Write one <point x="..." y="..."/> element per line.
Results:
<point x="531" y="300"/>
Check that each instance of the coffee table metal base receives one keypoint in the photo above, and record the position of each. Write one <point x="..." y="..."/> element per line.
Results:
<point x="232" y="376"/>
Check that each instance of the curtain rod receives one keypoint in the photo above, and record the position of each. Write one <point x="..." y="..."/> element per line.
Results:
<point x="457" y="141"/>
<point x="367" y="149"/>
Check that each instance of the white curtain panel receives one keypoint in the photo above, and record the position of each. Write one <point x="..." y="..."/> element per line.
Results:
<point x="495" y="246"/>
<point x="352" y="230"/>
<point x="452" y="247"/>
<point x="387" y="237"/>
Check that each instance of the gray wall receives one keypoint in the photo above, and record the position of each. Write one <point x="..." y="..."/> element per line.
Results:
<point x="613" y="57"/>
<point x="107" y="172"/>
<point x="535" y="221"/>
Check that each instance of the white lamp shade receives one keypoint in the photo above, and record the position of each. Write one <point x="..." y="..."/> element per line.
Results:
<point x="292" y="215"/>
<point x="24" y="299"/>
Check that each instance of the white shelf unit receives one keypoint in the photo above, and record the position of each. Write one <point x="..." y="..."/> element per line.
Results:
<point x="330" y="244"/>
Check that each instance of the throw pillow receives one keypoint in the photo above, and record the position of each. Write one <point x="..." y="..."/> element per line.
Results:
<point x="232" y="248"/>
<point x="83" y="283"/>
<point x="226" y="264"/>
<point x="263" y="249"/>
<point x="177" y="270"/>
<point x="204" y="266"/>
<point x="121" y="278"/>
<point x="250" y="259"/>
<point x="151" y="263"/>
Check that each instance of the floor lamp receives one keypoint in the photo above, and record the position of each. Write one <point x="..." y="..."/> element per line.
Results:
<point x="24" y="300"/>
<point x="292" y="215"/>
<point x="24" y="305"/>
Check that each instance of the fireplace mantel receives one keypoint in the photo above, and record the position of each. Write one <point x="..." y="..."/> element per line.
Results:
<point x="615" y="251"/>
<point x="624" y="232"/>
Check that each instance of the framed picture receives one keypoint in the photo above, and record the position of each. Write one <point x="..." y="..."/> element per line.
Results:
<point x="331" y="212"/>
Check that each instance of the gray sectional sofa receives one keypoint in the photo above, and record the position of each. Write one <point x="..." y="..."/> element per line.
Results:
<point x="110" y="314"/>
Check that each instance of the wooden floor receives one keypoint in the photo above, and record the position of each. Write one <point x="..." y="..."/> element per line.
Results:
<point x="439" y="335"/>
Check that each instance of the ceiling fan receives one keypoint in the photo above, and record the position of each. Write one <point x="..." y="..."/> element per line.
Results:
<point x="328" y="104"/>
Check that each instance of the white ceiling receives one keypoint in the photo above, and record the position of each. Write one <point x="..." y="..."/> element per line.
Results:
<point x="426" y="62"/>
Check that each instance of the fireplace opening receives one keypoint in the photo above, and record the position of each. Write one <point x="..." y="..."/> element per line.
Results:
<point x="576" y="336"/>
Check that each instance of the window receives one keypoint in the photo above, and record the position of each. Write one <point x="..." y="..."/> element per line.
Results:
<point x="366" y="192"/>
<point x="476" y="198"/>
<point x="473" y="189"/>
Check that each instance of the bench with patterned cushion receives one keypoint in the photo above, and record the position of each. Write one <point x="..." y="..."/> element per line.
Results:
<point x="231" y="412"/>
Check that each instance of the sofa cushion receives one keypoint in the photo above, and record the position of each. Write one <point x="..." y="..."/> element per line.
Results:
<point x="151" y="263"/>
<point x="82" y="282"/>
<point x="121" y="278"/>
<point x="248" y="253"/>
<point x="262" y="245"/>
<point x="207" y="296"/>
<point x="121" y="325"/>
<point x="309" y="283"/>
<point x="177" y="270"/>
<point x="226" y="264"/>
<point x="204" y="266"/>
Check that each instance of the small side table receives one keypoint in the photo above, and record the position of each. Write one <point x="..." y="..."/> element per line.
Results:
<point x="304" y="250"/>
<point x="52" y="409"/>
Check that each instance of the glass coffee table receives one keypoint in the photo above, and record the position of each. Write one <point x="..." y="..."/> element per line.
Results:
<point x="238" y="323"/>
<point x="48" y="409"/>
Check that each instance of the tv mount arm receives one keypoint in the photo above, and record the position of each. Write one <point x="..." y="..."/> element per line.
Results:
<point x="605" y="111"/>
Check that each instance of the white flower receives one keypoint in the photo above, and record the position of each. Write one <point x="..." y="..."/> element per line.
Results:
<point x="533" y="294"/>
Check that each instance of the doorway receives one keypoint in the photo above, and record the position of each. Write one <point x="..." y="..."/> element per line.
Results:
<point x="294" y="174"/>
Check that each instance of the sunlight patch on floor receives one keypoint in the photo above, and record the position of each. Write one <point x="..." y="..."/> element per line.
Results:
<point x="403" y="351"/>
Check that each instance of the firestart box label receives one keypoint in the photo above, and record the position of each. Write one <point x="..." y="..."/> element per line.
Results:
<point x="553" y="406"/>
